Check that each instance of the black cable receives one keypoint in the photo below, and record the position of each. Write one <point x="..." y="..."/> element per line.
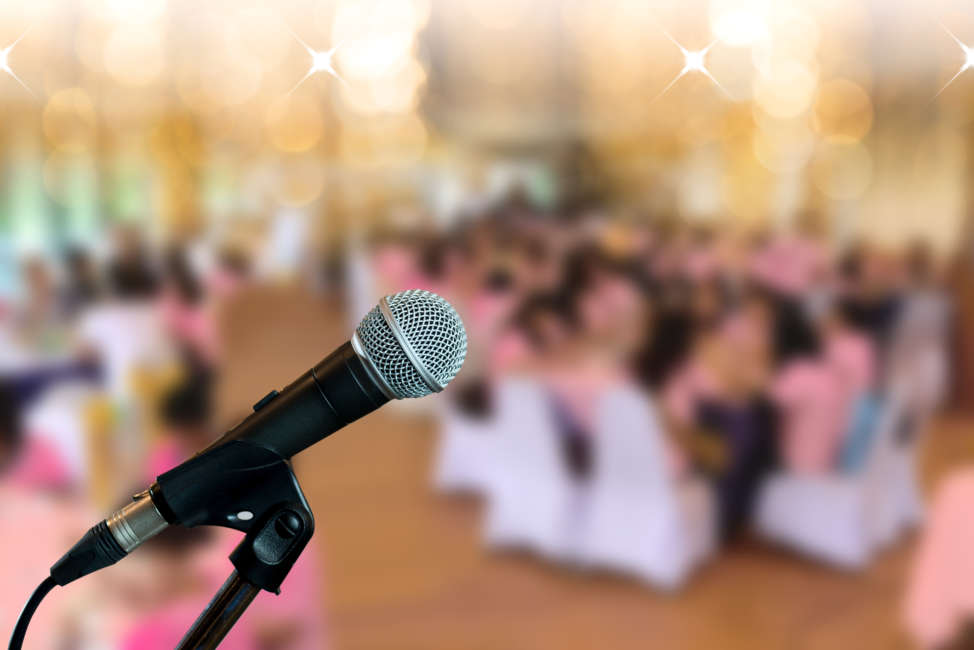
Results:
<point x="20" y="630"/>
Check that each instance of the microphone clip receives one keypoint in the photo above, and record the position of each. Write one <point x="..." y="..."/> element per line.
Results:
<point x="278" y="530"/>
<point x="247" y="487"/>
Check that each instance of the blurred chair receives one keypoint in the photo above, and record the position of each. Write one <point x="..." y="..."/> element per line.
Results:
<point x="58" y="417"/>
<point x="836" y="518"/>
<point x="531" y="494"/>
<point x="127" y="336"/>
<point x="149" y="384"/>
<point x="640" y="520"/>
<point x="919" y="377"/>
<point x="918" y="382"/>
<point x="901" y="506"/>
<point x="464" y="456"/>
<point x="361" y="286"/>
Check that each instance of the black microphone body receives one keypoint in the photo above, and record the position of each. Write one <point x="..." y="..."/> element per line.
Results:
<point x="332" y="394"/>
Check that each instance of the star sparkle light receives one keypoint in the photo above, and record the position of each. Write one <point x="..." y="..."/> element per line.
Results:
<point x="693" y="61"/>
<point x="968" y="59"/>
<point x="321" y="61"/>
<point x="5" y="62"/>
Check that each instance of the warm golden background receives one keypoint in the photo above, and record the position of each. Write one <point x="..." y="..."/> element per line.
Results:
<point x="182" y="111"/>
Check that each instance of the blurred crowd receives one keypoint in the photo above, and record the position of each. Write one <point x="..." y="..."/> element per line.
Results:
<point x="637" y="395"/>
<point x="781" y="373"/>
<point x="107" y="371"/>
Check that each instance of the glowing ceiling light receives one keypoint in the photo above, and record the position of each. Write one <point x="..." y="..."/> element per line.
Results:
<point x="968" y="60"/>
<point x="693" y="61"/>
<point x="5" y="62"/>
<point x="321" y="61"/>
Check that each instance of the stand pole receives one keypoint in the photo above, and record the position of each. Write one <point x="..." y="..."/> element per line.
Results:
<point x="220" y="615"/>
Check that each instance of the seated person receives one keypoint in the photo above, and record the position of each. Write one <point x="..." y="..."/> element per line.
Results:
<point x="807" y="393"/>
<point x="186" y="414"/>
<point x="29" y="461"/>
<point x="42" y="518"/>
<point x="715" y="406"/>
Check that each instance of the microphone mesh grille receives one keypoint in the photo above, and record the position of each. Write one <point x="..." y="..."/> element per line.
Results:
<point x="431" y="327"/>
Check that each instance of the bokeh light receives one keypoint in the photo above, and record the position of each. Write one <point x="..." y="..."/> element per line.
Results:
<point x="786" y="88"/>
<point x="843" y="112"/>
<point x="295" y="123"/>
<point x="843" y="171"/>
<point x="69" y="120"/>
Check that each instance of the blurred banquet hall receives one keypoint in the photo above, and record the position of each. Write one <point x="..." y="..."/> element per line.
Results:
<point x="715" y="259"/>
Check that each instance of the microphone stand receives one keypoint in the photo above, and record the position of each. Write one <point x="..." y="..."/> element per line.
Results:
<point x="261" y="561"/>
<point x="221" y="614"/>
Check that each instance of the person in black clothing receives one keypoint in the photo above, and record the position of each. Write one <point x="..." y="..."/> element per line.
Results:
<point x="865" y="303"/>
<point x="82" y="285"/>
<point x="11" y="432"/>
<point x="130" y="274"/>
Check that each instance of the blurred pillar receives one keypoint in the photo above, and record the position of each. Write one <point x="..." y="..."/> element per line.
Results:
<point x="177" y="146"/>
<point x="962" y="285"/>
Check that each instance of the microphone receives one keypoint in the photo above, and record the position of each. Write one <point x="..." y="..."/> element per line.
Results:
<point x="411" y="344"/>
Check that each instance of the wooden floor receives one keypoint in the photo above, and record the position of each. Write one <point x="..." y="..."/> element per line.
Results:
<point x="405" y="569"/>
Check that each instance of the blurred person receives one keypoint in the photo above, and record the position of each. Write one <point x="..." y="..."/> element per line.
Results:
<point x="539" y="264"/>
<point x="610" y="308"/>
<point x="849" y="352"/>
<point x="394" y="261"/>
<point x="866" y="297"/>
<point x="542" y="325"/>
<point x="939" y="605"/>
<point x="702" y="372"/>
<point x="919" y="366"/>
<point x="675" y="241"/>
<point x="125" y="330"/>
<point x="701" y="263"/>
<point x="433" y="265"/>
<point x="667" y="344"/>
<point x="747" y="332"/>
<point x="187" y="313"/>
<point x="186" y="413"/>
<point x="746" y="424"/>
<point x="576" y="374"/>
<point x="850" y="355"/>
<point x="717" y="408"/>
<point x="131" y="273"/>
<point x="28" y="461"/>
<point x="82" y="286"/>
<point x="231" y="272"/>
<point x="35" y="498"/>
<point x="791" y="262"/>
<point x="806" y="391"/>
<point x="38" y="317"/>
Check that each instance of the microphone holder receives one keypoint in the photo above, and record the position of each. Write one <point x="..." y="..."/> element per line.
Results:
<point x="262" y="561"/>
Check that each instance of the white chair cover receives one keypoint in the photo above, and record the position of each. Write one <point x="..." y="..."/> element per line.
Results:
<point x="361" y="290"/>
<point x="838" y="519"/>
<point x="127" y="336"/>
<point x="638" y="520"/>
<point x="465" y="452"/>
<point x="531" y="495"/>
<point x="58" y="418"/>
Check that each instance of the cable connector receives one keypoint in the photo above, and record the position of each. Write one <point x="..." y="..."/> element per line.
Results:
<point x="110" y="540"/>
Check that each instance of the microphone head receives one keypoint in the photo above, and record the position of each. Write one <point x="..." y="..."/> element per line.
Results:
<point x="413" y="343"/>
